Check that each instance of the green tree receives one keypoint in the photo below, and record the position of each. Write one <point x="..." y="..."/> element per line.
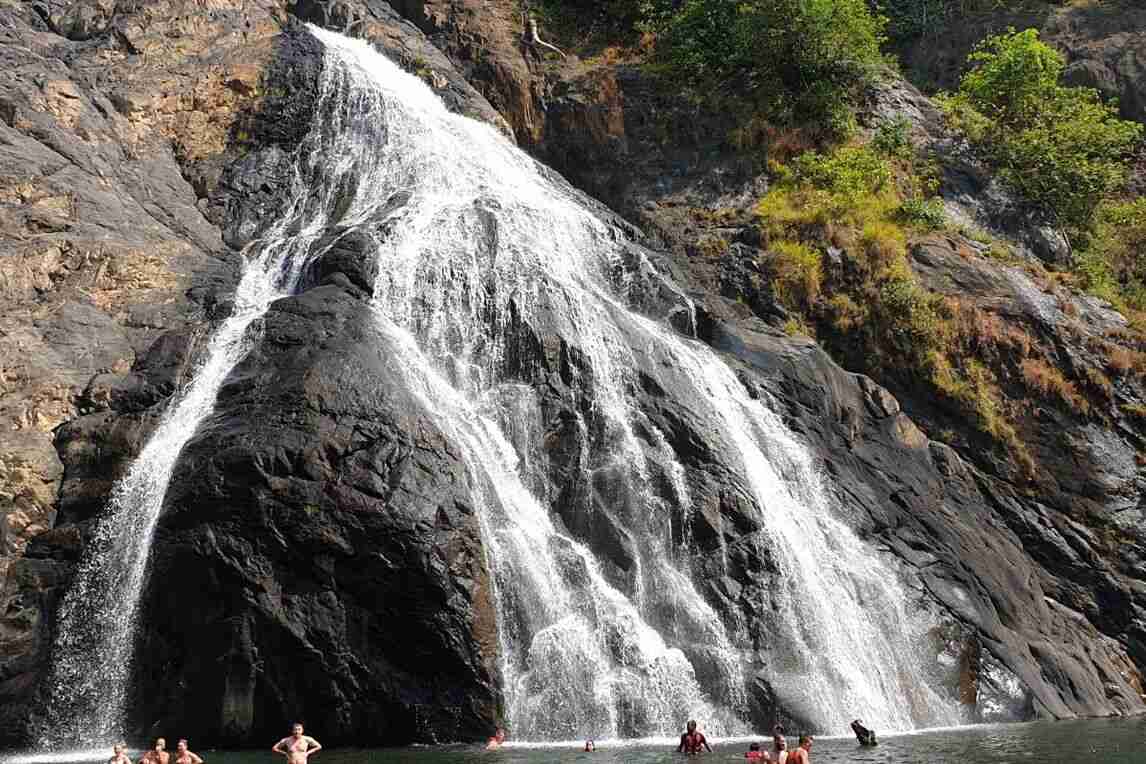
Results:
<point x="1061" y="147"/>
<point x="802" y="59"/>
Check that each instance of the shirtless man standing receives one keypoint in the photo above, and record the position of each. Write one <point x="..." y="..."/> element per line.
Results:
<point x="158" y="754"/>
<point x="803" y="754"/>
<point x="693" y="741"/>
<point x="298" y="747"/>
<point x="118" y="756"/>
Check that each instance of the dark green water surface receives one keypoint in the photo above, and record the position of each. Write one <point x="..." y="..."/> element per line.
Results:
<point x="1116" y="741"/>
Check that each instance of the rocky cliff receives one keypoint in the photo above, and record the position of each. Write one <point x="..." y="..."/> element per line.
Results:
<point x="144" y="146"/>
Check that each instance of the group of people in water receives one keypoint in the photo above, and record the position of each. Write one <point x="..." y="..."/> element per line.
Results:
<point x="157" y="755"/>
<point x="296" y="747"/>
<point x="693" y="741"/>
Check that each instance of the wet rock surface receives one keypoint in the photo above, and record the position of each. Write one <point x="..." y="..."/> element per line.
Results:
<point x="318" y="555"/>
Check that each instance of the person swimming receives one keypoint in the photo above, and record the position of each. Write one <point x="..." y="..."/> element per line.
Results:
<point x="779" y="745"/>
<point x="184" y="755"/>
<point x="693" y="741"/>
<point x="158" y="753"/>
<point x="755" y="754"/>
<point x="590" y="746"/>
<point x="497" y="739"/>
<point x="802" y="754"/>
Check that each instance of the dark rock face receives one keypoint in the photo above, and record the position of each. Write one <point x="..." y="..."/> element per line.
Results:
<point x="318" y="556"/>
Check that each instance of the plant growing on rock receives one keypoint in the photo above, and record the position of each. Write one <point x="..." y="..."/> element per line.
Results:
<point x="867" y="307"/>
<point x="801" y="60"/>
<point x="1061" y="147"/>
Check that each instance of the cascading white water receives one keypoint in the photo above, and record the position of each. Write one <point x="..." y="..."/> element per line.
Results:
<point x="93" y="650"/>
<point x="480" y="237"/>
<point x="485" y="239"/>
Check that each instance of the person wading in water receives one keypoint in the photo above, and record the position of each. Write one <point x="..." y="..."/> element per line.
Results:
<point x="118" y="756"/>
<point x="779" y="745"/>
<point x="185" y="756"/>
<point x="496" y="741"/>
<point x="803" y="754"/>
<point x="298" y="746"/>
<point x="158" y="754"/>
<point x="693" y="741"/>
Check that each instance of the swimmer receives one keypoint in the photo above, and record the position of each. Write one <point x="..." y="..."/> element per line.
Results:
<point x="185" y="756"/>
<point x="298" y="747"/>
<point x="779" y="745"/>
<point x="496" y="741"/>
<point x="158" y="753"/>
<point x="590" y="746"/>
<point x="693" y="741"/>
<point x="118" y="756"/>
<point x="803" y="754"/>
<point x="755" y="754"/>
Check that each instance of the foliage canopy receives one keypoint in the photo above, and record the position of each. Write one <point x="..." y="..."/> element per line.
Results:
<point x="1061" y="147"/>
<point x="801" y="59"/>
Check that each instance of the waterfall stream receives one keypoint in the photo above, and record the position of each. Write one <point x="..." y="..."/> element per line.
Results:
<point x="97" y="621"/>
<point x="481" y="240"/>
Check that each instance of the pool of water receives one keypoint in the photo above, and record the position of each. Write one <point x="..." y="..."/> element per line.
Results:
<point x="1103" y="741"/>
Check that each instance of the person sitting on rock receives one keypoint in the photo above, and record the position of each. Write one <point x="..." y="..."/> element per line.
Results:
<point x="118" y="756"/>
<point x="158" y="753"/>
<point x="184" y="756"/>
<point x="531" y="40"/>
<point x="863" y="734"/>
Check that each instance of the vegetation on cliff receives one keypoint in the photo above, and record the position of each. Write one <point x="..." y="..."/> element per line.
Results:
<point x="1061" y="147"/>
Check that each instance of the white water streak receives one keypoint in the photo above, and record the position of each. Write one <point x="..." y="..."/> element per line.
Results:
<point x="98" y="619"/>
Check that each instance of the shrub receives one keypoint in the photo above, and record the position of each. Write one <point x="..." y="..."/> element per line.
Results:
<point x="802" y="59"/>
<point x="849" y="172"/>
<point x="796" y="274"/>
<point x="927" y="214"/>
<point x="1111" y="263"/>
<point x="892" y="137"/>
<point x="911" y="321"/>
<point x="1061" y="147"/>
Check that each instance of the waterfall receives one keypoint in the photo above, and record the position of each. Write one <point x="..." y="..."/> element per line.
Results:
<point x="474" y="238"/>
<point x="88" y="686"/>
<point x="487" y="239"/>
